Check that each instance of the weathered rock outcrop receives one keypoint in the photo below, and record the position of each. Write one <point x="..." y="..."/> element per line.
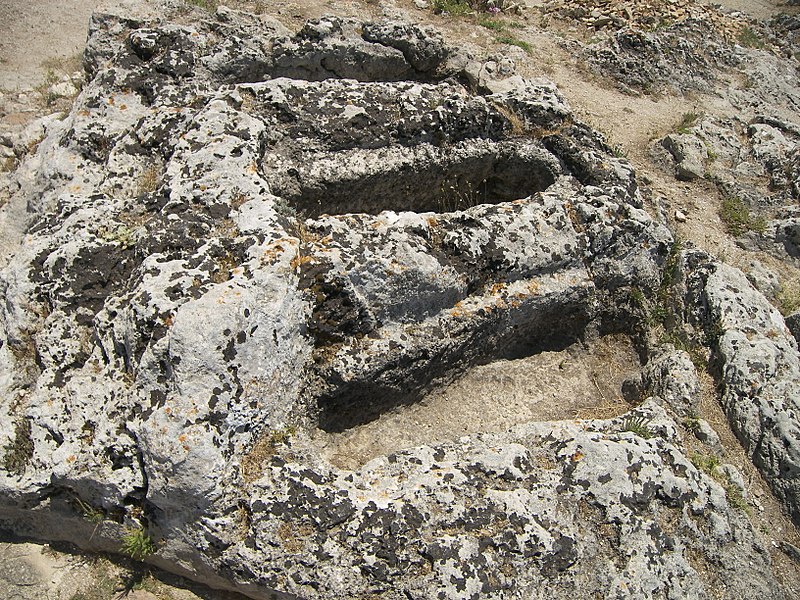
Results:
<point x="239" y="236"/>
<point x="760" y="369"/>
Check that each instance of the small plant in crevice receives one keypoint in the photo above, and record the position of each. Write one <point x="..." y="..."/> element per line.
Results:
<point x="123" y="236"/>
<point x="707" y="463"/>
<point x="148" y="181"/>
<point x="713" y="332"/>
<point x="672" y="265"/>
<point x="137" y="544"/>
<point x="735" y="497"/>
<point x="691" y="423"/>
<point x="681" y="340"/>
<point x="749" y="38"/>
<point x="454" y="197"/>
<point x="658" y="314"/>
<point x="90" y="513"/>
<point x="688" y="120"/>
<point x="516" y="122"/>
<point x="638" y="425"/>
<point x="661" y="309"/>
<point x="710" y="465"/>
<point x="737" y="218"/>
<point x="9" y="164"/>
<point x="788" y="297"/>
<point x="286" y="210"/>
<point x="618" y="151"/>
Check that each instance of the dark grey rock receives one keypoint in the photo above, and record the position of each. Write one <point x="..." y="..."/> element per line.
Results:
<point x="793" y="323"/>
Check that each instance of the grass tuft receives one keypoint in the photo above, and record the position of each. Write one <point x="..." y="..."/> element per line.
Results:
<point x="735" y="215"/>
<point x="204" y="4"/>
<point x="707" y="463"/>
<point x="148" y="180"/>
<point x="688" y="120"/>
<point x="512" y="41"/>
<point x="252" y="465"/>
<point x="454" y="8"/>
<point x="638" y="425"/>
<point x="137" y="544"/>
<point x="749" y="38"/>
<point x="788" y="297"/>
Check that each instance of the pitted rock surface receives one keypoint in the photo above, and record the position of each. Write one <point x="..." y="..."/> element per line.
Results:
<point x="760" y="369"/>
<point x="239" y="236"/>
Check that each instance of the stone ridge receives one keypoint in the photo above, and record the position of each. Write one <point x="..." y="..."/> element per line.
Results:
<point x="239" y="235"/>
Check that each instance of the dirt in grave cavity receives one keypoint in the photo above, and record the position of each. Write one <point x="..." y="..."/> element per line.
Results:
<point x="580" y="382"/>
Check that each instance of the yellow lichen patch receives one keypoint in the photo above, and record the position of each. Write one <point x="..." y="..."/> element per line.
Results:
<point x="271" y="254"/>
<point x="498" y="288"/>
<point x="459" y="310"/>
<point x="299" y="260"/>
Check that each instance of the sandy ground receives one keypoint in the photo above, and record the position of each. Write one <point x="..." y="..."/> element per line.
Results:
<point x="34" y="32"/>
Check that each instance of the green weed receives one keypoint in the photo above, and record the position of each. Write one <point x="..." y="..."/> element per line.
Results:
<point x="691" y="423"/>
<point x="672" y="265"/>
<point x="749" y="38"/>
<point x="681" y="341"/>
<point x="638" y="425"/>
<point x="123" y="235"/>
<point x="493" y="24"/>
<point x="735" y="497"/>
<point x="707" y="463"/>
<point x="204" y="4"/>
<point x="512" y="41"/>
<point x="137" y="544"/>
<point x="735" y="215"/>
<point x="499" y="25"/>
<point x="788" y="297"/>
<point x="688" y="120"/>
<point x="455" y="8"/>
